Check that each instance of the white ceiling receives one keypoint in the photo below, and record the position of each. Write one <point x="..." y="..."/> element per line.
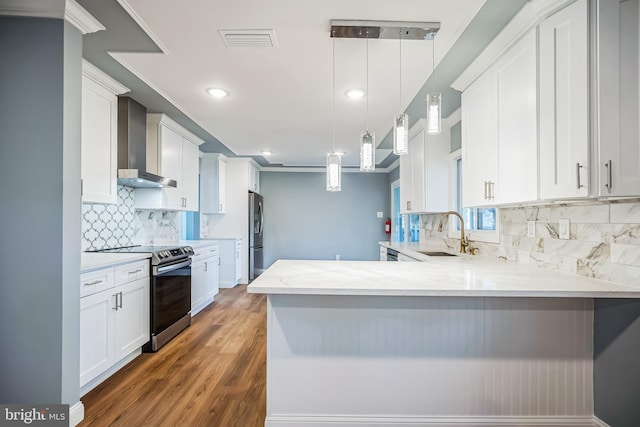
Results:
<point x="281" y="98"/>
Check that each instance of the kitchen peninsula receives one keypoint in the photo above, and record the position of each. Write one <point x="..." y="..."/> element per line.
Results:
<point x="454" y="340"/>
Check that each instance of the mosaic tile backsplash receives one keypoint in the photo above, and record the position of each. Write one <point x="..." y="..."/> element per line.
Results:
<point x="604" y="239"/>
<point x="110" y="226"/>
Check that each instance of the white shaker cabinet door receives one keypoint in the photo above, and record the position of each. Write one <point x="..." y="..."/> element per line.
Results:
<point x="515" y="77"/>
<point x="190" y="171"/>
<point x="564" y="103"/>
<point x="479" y="143"/>
<point x="619" y="99"/>
<point x="96" y="334"/>
<point x="99" y="143"/>
<point x="132" y="329"/>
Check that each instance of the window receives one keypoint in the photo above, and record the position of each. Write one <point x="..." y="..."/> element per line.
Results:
<point x="404" y="228"/>
<point x="480" y="224"/>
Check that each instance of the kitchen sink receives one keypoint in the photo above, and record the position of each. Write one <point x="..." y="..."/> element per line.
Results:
<point x="435" y="253"/>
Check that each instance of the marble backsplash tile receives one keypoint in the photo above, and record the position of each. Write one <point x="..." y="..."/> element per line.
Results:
<point x="110" y="226"/>
<point x="604" y="239"/>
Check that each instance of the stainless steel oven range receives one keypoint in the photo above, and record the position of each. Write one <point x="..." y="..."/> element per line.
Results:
<point x="170" y="286"/>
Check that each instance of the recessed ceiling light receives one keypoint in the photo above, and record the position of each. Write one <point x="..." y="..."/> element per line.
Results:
<point x="216" y="92"/>
<point x="266" y="153"/>
<point x="354" y="93"/>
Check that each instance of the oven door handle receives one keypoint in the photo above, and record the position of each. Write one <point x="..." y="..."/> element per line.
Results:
<point x="167" y="268"/>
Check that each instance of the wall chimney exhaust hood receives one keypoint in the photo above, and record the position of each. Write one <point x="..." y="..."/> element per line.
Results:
<point x="132" y="147"/>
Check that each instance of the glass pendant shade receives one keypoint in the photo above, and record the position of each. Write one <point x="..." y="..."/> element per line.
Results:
<point x="434" y="113"/>
<point x="401" y="135"/>
<point x="367" y="151"/>
<point x="334" y="172"/>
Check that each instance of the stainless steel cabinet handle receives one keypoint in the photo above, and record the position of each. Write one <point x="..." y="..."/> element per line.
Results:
<point x="95" y="282"/>
<point x="136" y="271"/>
<point x="206" y="266"/>
<point x="218" y="260"/>
<point x="578" y="167"/>
<point x="115" y="306"/>
<point x="220" y="207"/>
<point x="492" y="188"/>
<point x="485" y="190"/>
<point x="120" y="299"/>
<point x="408" y="205"/>
<point x="609" y="183"/>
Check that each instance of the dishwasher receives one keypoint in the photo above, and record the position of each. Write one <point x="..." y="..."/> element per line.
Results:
<point x="392" y="255"/>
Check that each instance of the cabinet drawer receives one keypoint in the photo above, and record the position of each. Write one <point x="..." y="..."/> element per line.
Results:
<point x="96" y="281"/>
<point x="198" y="254"/>
<point x="132" y="271"/>
<point x="212" y="251"/>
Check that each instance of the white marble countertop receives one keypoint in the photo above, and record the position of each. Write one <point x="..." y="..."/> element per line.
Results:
<point x="94" y="260"/>
<point x="473" y="276"/>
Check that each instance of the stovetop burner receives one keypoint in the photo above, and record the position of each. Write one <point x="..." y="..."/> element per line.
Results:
<point x="160" y="254"/>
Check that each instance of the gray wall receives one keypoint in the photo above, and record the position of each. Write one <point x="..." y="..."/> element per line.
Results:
<point x="40" y="83"/>
<point x="617" y="362"/>
<point x="303" y="221"/>
<point x="456" y="136"/>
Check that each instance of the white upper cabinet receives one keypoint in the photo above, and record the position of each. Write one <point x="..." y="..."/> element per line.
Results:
<point x="564" y="103"/>
<point x="424" y="175"/>
<point x="515" y="78"/>
<point x="254" y="178"/>
<point x="99" y="135"/>
<point x="499" y="130"/>
<point x="213" y="183"/>
<point x="172" y="152"/>
<point x="618" y="147"/>
<point x="479" y="142"/>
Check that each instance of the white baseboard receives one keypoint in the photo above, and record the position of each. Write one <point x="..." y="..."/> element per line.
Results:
<point x="112" y="370"/>
<point x="76" y="414"/>
<point x="600" y="423"/>
<point x="227" y="284"/>
<point x="385" y="421"/>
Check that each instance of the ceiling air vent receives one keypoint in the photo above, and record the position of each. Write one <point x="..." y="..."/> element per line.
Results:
<point x="249" y="38"/>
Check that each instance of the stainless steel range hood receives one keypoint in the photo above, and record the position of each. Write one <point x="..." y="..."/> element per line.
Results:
<point x="132" y="147"/>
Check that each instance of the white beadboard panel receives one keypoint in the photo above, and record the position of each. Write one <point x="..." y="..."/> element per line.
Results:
<point x="625" y="254"/>
<point x="587" y="214"/>
<point x="375" y="355"/>
<point x="416" y="357"/>
<point x="577" y="249"/>
<point x="539" y="357"/>
<point x="625" y="213"/>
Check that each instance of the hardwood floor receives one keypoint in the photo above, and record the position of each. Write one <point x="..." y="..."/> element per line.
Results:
<point x="212" y="374"/>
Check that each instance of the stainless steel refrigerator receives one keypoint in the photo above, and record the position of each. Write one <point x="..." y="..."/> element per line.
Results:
<point x="256" y="228"/>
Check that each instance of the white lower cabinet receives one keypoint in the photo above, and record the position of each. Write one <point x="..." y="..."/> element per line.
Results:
<point x="205" y="277"/>
<point x="230" y="261"/>
<point x="114" y="318"/>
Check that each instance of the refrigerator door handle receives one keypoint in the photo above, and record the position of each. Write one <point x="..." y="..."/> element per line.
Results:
<point x="261" y="218"/>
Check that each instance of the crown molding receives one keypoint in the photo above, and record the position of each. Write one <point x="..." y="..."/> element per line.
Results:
<point x="81" y="19"/>
<point x="61" y="9"/>
<point x="529" y="16"/>
<point x="103" y="79"/>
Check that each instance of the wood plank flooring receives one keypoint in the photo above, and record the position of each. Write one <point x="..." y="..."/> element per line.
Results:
<point x="213" y="374"/>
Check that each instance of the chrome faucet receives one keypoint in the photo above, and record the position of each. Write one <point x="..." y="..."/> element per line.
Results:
<point x="464" y="242"/>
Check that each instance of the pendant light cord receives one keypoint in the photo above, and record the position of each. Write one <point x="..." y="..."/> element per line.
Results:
<point x="400" y="52"/>
<point x="367" y="95"/>
<point x="334" y="94"/>
<point x="433" y="63"/>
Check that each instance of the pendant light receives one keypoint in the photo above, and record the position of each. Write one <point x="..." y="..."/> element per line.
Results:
<point x="401" y="122"/>
<point x="434" y="100"/>
<point x="367" y="138"/>
<point x="334" y="161"/>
